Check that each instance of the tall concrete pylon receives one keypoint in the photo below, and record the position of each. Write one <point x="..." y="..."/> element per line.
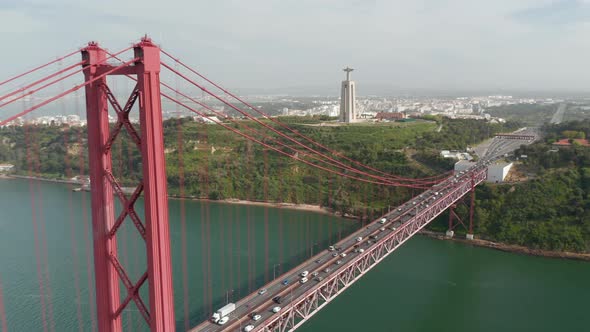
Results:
<point x="348" y="99"/>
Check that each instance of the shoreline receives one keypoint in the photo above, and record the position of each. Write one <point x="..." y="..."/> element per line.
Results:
<point x="279" y="205"/>
<point x="510" y="248"/>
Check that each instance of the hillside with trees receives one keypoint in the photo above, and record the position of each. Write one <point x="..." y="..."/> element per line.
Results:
<point x="218" y="164"/>
<point x="550" y="211"/>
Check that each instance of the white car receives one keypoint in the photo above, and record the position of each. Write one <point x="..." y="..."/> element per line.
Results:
<point x="304" y="274"/>
<point x="262" y="291"/>
<point x="382" y="229"/>
<point x="223" y="320"/>
<point x="315" y="274"/>
<point x="276" y="309"/>
<point x="359" y="239"/>
<point x="331" y="248"/>
<point x="343" y="254"/>
<point x="256" y="317"/>
<point x="303" y="280"/>
<point x="383" y="220"/>
<point x="248" y="328"/>
<point x="361" y="250"/>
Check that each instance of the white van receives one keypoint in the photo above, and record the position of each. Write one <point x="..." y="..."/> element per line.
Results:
<point x="303" y="280"/>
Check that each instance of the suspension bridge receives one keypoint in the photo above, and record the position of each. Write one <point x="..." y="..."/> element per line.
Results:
<point x="281" y="304"/>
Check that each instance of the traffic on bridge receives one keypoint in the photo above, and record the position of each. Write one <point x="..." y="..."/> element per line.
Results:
<point x="287" y="302"/>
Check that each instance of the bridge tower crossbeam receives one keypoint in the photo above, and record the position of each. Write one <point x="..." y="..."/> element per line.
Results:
<point x="104" y="187"/>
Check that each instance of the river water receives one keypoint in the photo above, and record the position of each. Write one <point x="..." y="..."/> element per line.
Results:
<point x="427" y="285"/>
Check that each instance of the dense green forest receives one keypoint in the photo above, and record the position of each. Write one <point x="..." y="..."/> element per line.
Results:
<point x="219" y="164"/>
<point x="552" y="209"/>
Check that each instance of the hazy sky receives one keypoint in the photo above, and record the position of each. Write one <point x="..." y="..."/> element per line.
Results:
<point x="433" y="44"/>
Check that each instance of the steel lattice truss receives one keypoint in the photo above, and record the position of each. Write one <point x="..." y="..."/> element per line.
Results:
<point x="304" y="307"/>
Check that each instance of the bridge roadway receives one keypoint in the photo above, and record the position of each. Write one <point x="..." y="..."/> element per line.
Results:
<point x="301" y="301"/>
<point x="378" y="240"/>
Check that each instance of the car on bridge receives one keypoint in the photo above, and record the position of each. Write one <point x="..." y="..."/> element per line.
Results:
<point x="255" y="316"/>
<point x="276" y="309"/>
<point x="248" y="328"/>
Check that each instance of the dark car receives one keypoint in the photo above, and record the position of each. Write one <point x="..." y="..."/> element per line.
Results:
<point x="277" y="299"/>
<point x="286" y="282"/>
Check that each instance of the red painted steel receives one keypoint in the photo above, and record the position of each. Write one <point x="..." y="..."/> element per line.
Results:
<point x="297" y="133"/>
<point x="156" y="194"/>
<point x="103" y="204"/>
<point x="259" y="141"/>
<point x="104" y="187"/>
<point x="306" y="305"/>
<point x="39" y="67"/>
<point x="312" y="152"/>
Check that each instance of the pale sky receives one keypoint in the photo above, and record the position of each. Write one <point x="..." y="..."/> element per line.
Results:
<point x="431" y="44"/>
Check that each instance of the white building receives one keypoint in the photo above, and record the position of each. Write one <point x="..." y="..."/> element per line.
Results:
<point x="497" y="172"/>
<point x="6" y="167"/>
<point x="348" y="99"/>
<point x="456" y="155"/>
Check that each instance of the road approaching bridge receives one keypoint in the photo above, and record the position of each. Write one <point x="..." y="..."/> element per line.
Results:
<point x="332" y="271"/>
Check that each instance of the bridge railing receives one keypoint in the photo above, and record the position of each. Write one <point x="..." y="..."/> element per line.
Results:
<point x="306" y="305"/>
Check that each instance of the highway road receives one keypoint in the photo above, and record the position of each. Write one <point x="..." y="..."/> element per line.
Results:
<point x="329" y="260"/>
<point x="558" y="115"/>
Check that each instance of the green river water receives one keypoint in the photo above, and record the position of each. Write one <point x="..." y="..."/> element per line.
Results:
<point x="427" y="285"/>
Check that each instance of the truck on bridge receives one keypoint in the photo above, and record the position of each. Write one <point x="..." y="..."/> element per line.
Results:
<point x="220" y="314"/>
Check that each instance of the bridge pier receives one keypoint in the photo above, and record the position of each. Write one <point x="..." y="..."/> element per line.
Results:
<point x="453" y="215"/>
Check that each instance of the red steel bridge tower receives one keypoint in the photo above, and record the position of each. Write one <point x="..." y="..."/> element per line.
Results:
<point x="105" y="187"/>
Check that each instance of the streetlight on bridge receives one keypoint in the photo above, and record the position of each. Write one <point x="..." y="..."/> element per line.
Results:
<point x="313" y="245"/>
<point x="274" y="271"/>
<point x="227" y="292"/>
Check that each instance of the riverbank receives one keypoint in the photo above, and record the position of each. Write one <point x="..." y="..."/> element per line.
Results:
<point x="279" y="205"/>
<point x="323" y="210"/>
<point x="509" y="247"/>
<point x="14" y="176"/>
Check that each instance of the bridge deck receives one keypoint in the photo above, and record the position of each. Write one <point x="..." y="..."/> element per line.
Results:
<point x="301" y="301"/>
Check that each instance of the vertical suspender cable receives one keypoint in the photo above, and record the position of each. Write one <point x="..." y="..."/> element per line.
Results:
<point x="44" y="249"/>
<point x="266" y="244"/>
<point x="86" y="222"/>
<point x="29" y="152"/>
<point x="3" y="322"/>
<point x="181" y="188"/>
<point x="73" y="236"/>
